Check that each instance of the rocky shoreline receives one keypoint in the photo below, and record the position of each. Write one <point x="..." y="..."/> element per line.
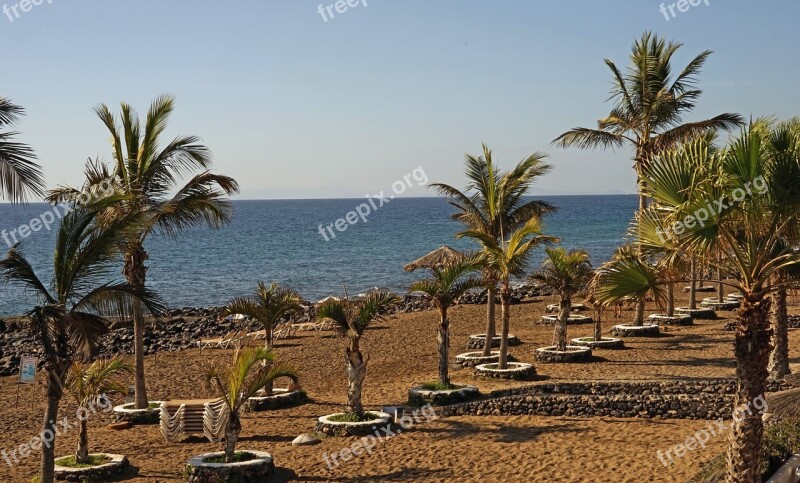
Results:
<point x="181" y="328"/>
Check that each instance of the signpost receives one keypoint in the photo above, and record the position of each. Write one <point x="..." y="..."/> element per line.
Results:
<point x="27" y="372"/>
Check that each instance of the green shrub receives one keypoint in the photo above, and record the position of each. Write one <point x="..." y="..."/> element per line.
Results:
<point x="353" y="418"/>
<point x="781" y="441"/>
<point x="437" y="386"/>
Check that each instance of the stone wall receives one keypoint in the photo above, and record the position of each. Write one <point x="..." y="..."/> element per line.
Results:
<point x="709" y="399"/>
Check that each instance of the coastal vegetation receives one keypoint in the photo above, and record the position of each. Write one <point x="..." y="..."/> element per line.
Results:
<point x="705" y="204"/>
<point x="352" y="318"/>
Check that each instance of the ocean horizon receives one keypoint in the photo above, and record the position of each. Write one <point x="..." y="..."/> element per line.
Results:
<point x="297" y="243"/>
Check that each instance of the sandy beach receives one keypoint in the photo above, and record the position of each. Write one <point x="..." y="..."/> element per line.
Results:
<point x="402" y="353"/>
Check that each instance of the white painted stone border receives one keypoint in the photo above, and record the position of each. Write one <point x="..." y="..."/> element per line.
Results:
<point x="476" y="355"/>
<point x="383" y="418"/>
<point x="118" y="461"/>
<point x="277" y="393"/>
<point x="261" y="458"/>
<point x="418" y="390"/>
<point x="603" y="343"/>
<point x="572" y="319"/>
<point x="123" y="410"/>
<point x="521" y="367"/>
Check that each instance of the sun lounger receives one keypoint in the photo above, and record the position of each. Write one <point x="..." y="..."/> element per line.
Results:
<point x="217" y="342"/>
<point x="182" y="418"/>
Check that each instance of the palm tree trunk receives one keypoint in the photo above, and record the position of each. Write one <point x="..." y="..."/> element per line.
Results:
<point x="54" y="393"/>
<point x="561" y="326"/>
<point x="751" y="349"/>
<point x="670" y="299"/>
<point x="82" y="455"/>
<point x="720" y="286"/>
<point x="444" y="346"/>
<point x="490" y="319"/>
<point x="356" y="371"/>
<point x="505" y="301"/>
<point x="779" y="357"/>
<point x="693" y="287"/>
<point x="598" y="326"/>
<point x="638" y="319"/>
<point x="232" y="430"/>
<point x="135" y="273"/>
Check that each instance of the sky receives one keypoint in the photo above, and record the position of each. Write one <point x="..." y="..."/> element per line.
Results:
<point x="294" y="105"/>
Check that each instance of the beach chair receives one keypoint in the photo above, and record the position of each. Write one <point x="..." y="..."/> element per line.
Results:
<point x="284" y="330"/>
<point x="181" y="418"/>
<point x="216" y="342"/>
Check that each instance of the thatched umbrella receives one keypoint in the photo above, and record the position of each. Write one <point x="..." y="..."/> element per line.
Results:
<point x="437" y="258"/>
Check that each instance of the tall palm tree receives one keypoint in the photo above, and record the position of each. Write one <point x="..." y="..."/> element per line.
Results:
<point x="148" y="176"/>
<point x="268" y="305"/>
<point x="20" y="176"/>
<point x="252" y="369"/>
<point x="756" y="189"/>
<point x="648" y="111"/>
<point x="566" y="273"/>
<point x="71" y="314"/>
<point x="509" y="258"/>
<point x="783" y="146"/>
<point x="445" y="285"/>
<point x="494" y="200"/>
<point x="351" y="319"/>
<point x="90" y="383"/>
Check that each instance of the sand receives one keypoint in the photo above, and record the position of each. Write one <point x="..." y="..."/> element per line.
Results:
<point x="402" y="353"/>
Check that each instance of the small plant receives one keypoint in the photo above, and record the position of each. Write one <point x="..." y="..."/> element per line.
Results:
<point x="92" y="460"/>
<point x="88" y="385"/>
<point x="438" y="386"/>
<point x="351" y="319"/>
<point x="444" y="286"/>
<point x="566" y="273"/>
<point x="239" y="381"/>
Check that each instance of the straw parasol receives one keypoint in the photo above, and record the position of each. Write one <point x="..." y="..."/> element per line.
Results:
<point x="437" y="258"/>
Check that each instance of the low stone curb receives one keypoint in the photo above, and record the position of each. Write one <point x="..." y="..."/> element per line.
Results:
<point x="102" y="472"/>
<point x="256" y="470"/>
<point x="417" y="396"/>
<point x="572" y="354"/>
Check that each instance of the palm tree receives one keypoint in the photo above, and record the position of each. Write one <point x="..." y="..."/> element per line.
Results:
<point x="762" y="205"/>
<point x="20" y="176"/>
<point x="509" y="258"/>
<point x="70" y="316"/>
<point x="268" y="305"/>
<point x="351" y="319"/>
<point x="648" y="111"/>
<point x="446" y="284"/>
<point x="148" y="175"/>
<point x="252" y="369"/>
<point x="494" y="200"/>
<point x="90" y="383"/>
<point x="783" y="147"/>
<point x="566" y="273"/>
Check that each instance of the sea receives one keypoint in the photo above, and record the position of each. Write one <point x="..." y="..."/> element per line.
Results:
<point x="287" y="241"/>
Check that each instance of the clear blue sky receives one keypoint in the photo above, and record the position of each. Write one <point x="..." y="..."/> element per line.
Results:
<point x="296" y="107"/>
